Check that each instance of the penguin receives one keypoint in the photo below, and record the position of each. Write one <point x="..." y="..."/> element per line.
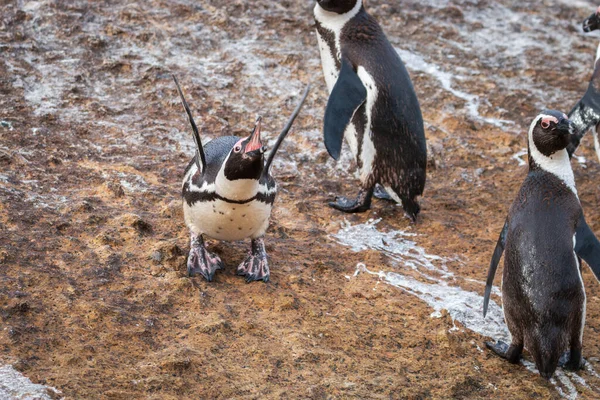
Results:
<point x="228" y="193"/>
<point x="545" y="237"/>
<point x="373" y="104"/>
<point x="586" y="113"/>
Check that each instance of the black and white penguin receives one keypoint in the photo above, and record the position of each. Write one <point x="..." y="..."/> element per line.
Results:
<point x="586" y="113"/>
<point x="228" y="193"/>
<point x="372" y="104"/>
<point x="545" y="237"/>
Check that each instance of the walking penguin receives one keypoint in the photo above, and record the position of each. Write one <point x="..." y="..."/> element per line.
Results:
<point x="545" y="236"/>
<point x="373" y="104"/>
<point x="228" y="194"/>
<point x="586" y="113"/>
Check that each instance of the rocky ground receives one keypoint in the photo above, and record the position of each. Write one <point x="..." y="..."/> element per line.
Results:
<point x="94" y="297"/>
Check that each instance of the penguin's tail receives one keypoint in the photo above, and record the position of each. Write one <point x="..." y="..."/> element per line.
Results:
<point x="547" y="349"/>
<point x="412" y="208"/>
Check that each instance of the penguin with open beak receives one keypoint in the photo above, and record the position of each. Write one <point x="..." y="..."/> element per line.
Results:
<point x="228" y="193"/>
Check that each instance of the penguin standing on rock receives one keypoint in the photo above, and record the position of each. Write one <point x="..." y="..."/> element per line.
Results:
<point x="372" y="104"/>
<point x="228" y="194"/>
<point x="586" y="113"/>
<point x="545" y="236"/>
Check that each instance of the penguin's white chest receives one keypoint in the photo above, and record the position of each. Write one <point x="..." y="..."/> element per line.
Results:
<point x="328" y="62"/>
<point x="227" y="221"/>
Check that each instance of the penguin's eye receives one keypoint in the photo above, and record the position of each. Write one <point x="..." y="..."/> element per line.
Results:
<point x="237" y="148"/>
<point x="545" y="124"/>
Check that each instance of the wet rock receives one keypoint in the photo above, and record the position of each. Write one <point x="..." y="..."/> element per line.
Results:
<point x="156" y="256"/>
<point x="15" y="307"/>
<point x="435" y="154"/>
<point x="134" y="221"/>
<point x="452" y="12"/>
<point x="173" y="209"/>
<point x="114" y="188"/>
<point x="469" y="388"/>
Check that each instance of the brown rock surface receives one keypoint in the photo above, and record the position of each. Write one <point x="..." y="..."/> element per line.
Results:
<point x="94" y="298"/>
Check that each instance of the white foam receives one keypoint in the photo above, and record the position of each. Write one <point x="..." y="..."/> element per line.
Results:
<point x="518" y="155"/>
<point x="16" y="386"/>
<point x="463" y="306"/>
<point x="395" y="244"/>
<point x="416" y="62"/>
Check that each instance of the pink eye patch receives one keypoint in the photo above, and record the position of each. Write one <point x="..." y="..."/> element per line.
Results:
<point x="546" y="121"/>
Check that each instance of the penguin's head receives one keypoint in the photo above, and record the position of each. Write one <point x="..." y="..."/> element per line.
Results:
<point x="550" y="132"/>
<point x="592" y="22"/>
<point x="246" y="160"/>
<point x="338" y="6"/>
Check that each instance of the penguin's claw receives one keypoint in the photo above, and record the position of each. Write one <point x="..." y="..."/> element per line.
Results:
<point x="511" y="353"/>
<point x="360" y="204"/>
<point x="571" y="363"/>
<point x="499" y="347"/>
<point x="201" y="262"/>
<point x="255" y="268"/>
<point x="381" y="194"/>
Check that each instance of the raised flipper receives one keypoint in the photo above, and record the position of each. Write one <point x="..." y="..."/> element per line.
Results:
<point x="587" y="246"/>
<point x="494" y="265"/>
<point x="285" y="131"/>
<point x="347" y="95"/>
<point x="200" y="157"/>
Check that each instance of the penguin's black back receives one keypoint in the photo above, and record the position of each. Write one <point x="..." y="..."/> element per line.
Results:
<point x="396" y="115"/>
<point x="541" y="286"/>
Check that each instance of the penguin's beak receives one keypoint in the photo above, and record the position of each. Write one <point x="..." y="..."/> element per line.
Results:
<point x="592" y="22"/>
<point x="254" y="144"/>
<point x="565" y="125"/>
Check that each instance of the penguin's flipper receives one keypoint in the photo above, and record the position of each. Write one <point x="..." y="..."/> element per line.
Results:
<point x="285" y="130"/>
<point x="596" y="140"/>
<point x="587" y="246"/>
<point x="200" y="157"/>
<point x="347" y="95"/>
<point x="493" y="266"/>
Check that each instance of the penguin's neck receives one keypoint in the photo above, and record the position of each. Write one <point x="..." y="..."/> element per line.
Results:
<point x="238" y="189"/>
<point x="334" y="21"/>
<point x="558" y="164"/>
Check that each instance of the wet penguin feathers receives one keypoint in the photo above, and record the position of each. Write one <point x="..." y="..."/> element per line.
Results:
<point x="372" y="105"/>
<point x="544" y="238"/>
<point x="586" y="113"/>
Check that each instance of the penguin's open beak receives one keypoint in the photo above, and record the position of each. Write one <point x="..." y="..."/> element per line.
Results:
<point x="592" y="22"/>
<point x="254" y="144"/>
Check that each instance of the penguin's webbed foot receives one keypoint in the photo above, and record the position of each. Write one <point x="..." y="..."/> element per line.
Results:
<point x="361" y="204"/>
<point x="380" y="193"/>
<point x="256" y="266"/>
<point x="571" y="361"/>
<point x="201" y="261"/>
<point x="511" y="353"/>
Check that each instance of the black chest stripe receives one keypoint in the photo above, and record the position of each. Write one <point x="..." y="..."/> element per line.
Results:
<point x="193" y="197"/>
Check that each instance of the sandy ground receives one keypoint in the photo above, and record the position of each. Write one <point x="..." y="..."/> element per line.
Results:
<point x="94" y="298"/>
